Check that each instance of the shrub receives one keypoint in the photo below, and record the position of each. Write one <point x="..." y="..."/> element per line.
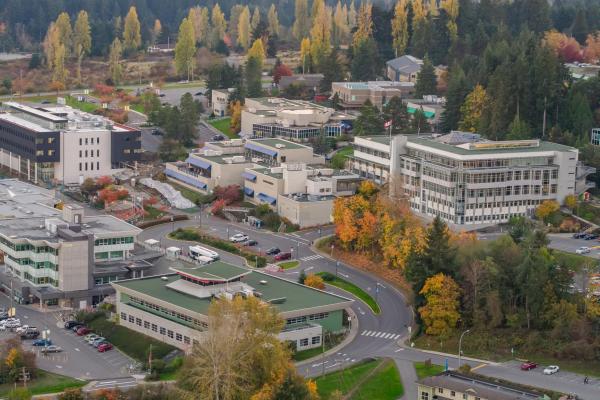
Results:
<point x="328" y="276"/>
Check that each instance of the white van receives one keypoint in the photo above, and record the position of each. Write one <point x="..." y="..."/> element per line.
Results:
<point x="198" y="251"/>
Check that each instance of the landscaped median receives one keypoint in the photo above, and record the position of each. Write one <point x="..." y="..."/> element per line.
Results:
<point x="196" y="235"/>
<point x="370" y="379"/>
<point x="343" y="284"/>
<point x="45" y="383"/>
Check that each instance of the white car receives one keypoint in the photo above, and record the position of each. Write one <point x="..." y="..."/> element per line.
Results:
<point x="23" y="328"/>
<point x="551" y="369"/>
<point x="583" y="250"/>
<point x="238" y="238"/>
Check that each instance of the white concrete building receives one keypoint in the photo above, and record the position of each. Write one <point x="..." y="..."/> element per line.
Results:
<point x="219" y="101"/>
<point x="64" y="145"/>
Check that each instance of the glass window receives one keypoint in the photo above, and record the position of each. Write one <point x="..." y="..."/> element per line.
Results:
<point x="303" y="342"/>
<point x="162" y="330"/>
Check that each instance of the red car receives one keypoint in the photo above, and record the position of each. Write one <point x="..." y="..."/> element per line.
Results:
<point x="283" y="256"/>
<point x="528" y="365"/>
<point x="83" y="331"/>
<point x="104" y="347"/>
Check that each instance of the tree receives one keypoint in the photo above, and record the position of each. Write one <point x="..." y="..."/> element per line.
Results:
<point x="426" y="79"/>
<point x="314" y="281"/>
<point x="235" y="111"/>
<point x="281" y="70"/>
<point x="273" y="19"/>
<point x="396" y="112"/>
<point x="364" y="24"/>
<point x="114" y="61"/>
<point x="219" y="25"/>
<point x="440" y="313"/>
<point x="185" y="49"/>
<point x="60" y="72"/>
<point x="591" y="52"/>
<point x="71" y="394"/>
<point x="19" y="394"/>
<point x="400" y="27"/>
<point x="580" y="114"/>
<point x="455" y="96"/>
<point x="239" y="354"/>
<point x="255" y="20"/>
<point x="189" y="118"/>
<point x="65" y="32"/>
<point x="570" y="202"/>
<point x="305" y="54"/>
<point x="301" y="27"/>
<point x="243" y="38"/>
<point x="156" y="31"/>
<point x="132" y="38"/>
<point x="254" y="65"/>
<point x="546" y="209"/>
<point x="369" y="121"/>
<point x="341" y="29"/>
<point x="580" y="27"/>
<point x="320" y="33"/>
<point x="365" y="64"/>
<point x="82" y="39"/>
<point x="518" y="129"/>
<point x="51" y="42"/>
<point x="451" y="8"/>
<point x="200" y="21"/>
<point x="291" y="386"/>
<point x="472" y="109"/>
<point x="333" y="70"/>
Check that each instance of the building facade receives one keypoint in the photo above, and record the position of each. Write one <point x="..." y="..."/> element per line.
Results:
<point x="220" y="101"/>
<point x="173" y="308"/>
<point x="352" y="95"/>
<point x="403" y="69"/>
<point x="595" y="136"/>
<point x="61" y="144"/>
<point x="371" y="158"/>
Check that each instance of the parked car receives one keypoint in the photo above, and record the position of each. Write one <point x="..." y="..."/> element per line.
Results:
<point x="528" y="365"/>
<point x="238" y="238"/>
<point x="52" y="349"/>
<point x="156" y="132"/>
<point x="3" y="315"/>
<point x="84" y="330"/>
<point x="161" y="95"/>
<point x="251" y="243"/>
<point x="218" y="138"/>
<point x="30" y="334"/>
<point x="590" y="236"/>
<point x="75" y="328"/>
<point x="42" y="342"/>
<point x="105" y="347"/>
<point x="92" y="342"/>
<point x="583" y="250"/>
<point x="24" y="328"/>
<point x="12" y="323"/>
<point x="579" y="235"/>
<point x="99" y="341"/>
<point x="551" y="369"/>
<point x="272" y="251"/>
<point x="71" y="324"/>
<point x="283" y="256"/>
<point x="90" y="337"/>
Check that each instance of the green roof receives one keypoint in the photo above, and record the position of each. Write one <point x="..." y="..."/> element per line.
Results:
<point x="272" y="142"/>
<point x="297" y="297"/>
<point x="221" y="159"/>
<point x="215" y="271"/>
<point x="543" y="146"/>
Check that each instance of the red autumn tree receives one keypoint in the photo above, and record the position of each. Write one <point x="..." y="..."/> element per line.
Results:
<point x="279" y="71"/>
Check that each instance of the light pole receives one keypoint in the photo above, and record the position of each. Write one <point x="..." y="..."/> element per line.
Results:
<point x="377" y="292"/>
<point x="337" y="264"/>
<point x="460" y="345"/>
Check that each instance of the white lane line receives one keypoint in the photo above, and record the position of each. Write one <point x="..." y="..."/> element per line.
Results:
<point x="373" y="334"/>
<point x="76" y="349"/>
<point x="396" y="337"/>
<point x="309" y="268"/>
<point x="344" y="275"/>
<point x="378" y="334"/>
<point x="398" y="350"/>
<point x="59" y="366"/>
<point x="388" y="335"/>
<point x="363" y="333"/>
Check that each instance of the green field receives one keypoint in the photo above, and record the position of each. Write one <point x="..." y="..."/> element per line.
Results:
<point x="82" y="105"/>
<point x="46" y="382"/>
<point x="223" y="126"/>
<point x="352" y="288"/>
<point x="383" y="384"/>
<point x="339" y="159"/>
<point x="423" y="370"/>
<point x="306" y="354"/>
<point x="192" y="195"/>
<point x="289" y="264"/>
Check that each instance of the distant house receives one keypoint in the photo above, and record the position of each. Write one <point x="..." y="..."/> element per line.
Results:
<point x="305" y="80"/>
<point x="220" y="101"/>
<point x="403" y="69"/>
<point x="161" y="48"/>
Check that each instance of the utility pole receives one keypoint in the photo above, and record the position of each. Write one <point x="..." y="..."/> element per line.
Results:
<point x="24" y="376"/>
<point x="460" y="345"/>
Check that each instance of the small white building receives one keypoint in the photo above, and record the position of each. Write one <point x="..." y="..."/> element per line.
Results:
<point x="220" y="101"/>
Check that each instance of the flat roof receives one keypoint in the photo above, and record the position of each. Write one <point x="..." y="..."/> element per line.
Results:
<point x="267" y="171"/>
<point x="543" y="146"/>
<point x="221" y="159"/>
<point x="273" y="289"/>
<point x="15" y="120"/>
<point x="377" y="139"/>
<point x="43" y="114"/>
<point x="215" y="271"/>
<point x="273" y="142"/>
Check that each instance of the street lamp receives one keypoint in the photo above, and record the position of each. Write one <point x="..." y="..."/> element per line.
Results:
<point x="460" y="345"/>
<point x="337" y="264"/>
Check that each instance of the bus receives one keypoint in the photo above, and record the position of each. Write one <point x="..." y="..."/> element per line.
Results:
<point x="198" y="251"/>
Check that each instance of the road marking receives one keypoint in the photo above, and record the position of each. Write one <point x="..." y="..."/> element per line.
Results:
<point x="59" y="366"/>
<point x="389" y="335"/>
<point x="396" y="337"/>
<point x="344" y="275"/>
<point x="398" y="350"/>
<point x="310" y="258"/>
<point x="383" y="287"/>
<point x="309" y="268"/>
<point x="361" y="311"/>
<point x="479" y="366"/>
<point x="378" y="334"/>
<point x="76" y="349"/>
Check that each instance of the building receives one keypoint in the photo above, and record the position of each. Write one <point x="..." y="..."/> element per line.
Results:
<point x="596" y="136"/>
<point x="302" y="194"/>
<point x="354" y="94"/>
<point x="583" y="70"/>
<point x="482" y="181"/>
<point x="303" y="80"/>
<point x="173" y="308"/>
<point x="220" y="101"/>
<point x="62" y="144"/>
<point x="431" y="106"/>
<point x="296" y="120"/>
<point x="450" y="385"/>
<point x="371" y="158"/>
<point x="223" y="163"/>
<point x="60" y="257"/>
<point x="403" y="69"/>
<point x="161" y="48"/>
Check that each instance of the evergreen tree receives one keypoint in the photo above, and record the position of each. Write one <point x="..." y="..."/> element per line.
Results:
<point x="365" y="63"/>
<point x="580" y="28"/>
<point x="419" y="122"/>
<point x="333" y="70"/>
<point x="301" y="27"/>
<point x="518" y="129"/>
<point x="395" y="111"/>
<point x="426" y="79"/>
<point x="189" y="118"/>
<point x="455" y="96"/>
<point x="581" y="116"/>
<point x="369" y="121"/>
<point x="254" y="69"/>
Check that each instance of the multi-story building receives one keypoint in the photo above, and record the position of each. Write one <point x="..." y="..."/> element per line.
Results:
<point x="431" y="106"/>
<point x="354" y="94"/>
<point x="302" y="194"/>
<point x="403" y="69"/>
<point x="220" y="101"/>
<point x="450" y="385"/>
<point x="481" y="181"/>
<point x="596" y="136"/>
<point x="173" y="308"/>
<point x="61" y="144"/>
<point x="296" y="120"/>
<point x="54" y="256"/>
<point x="371" y="158"/>
<point x="222" y="163"/>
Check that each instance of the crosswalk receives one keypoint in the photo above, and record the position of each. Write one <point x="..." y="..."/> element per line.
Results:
<point x="380" y="335"/>
<point x="311" y="258"/>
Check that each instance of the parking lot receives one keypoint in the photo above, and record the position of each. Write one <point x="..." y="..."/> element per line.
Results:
<point x="566" y="242"/>
<point x="78" y="359"/>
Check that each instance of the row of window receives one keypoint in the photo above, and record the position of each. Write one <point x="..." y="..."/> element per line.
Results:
<point x="493" y="217"/>
<point x="34" y="264"/>
<point x="40" y="153"/>
<point x="103" y="280"/>
<point x="28" y="247"/>
<point x="91" y="153"/>
<point x="304" y="318"/>
<point x="499" y="204"/>
<point x="134" y="301"/>
<point x="156" y="329"/>
<point x="373" y="152"/>
<point x="314" y="340"/>
<point x="90" y="141"/>
<point x="105" y="255"/>
<point x="42" y="280"/>
<point x="113" y="241"/>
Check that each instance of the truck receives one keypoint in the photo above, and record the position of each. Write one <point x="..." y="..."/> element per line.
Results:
<point x="201" y="253"/>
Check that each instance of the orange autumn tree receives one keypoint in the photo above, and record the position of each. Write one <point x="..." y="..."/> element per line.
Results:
<point x="314" y="281"/>
<point x="440" y="314"/>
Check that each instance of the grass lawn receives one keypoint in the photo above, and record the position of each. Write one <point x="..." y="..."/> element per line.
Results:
<point x="46" y="382"/>
<point x="339" y="158"/>
<point x="344" y="380"/>
<point x="192" y="85"/>
<point x="306" y="354"/>
<point x="132" y="343"/>
<point x="137" y="107"/>
<point x="81" y="105"/>
<point x="385" y="384"/>
<point x="223" y="126"/>
<point x="423" y="371"/>
<point x="289" y="264"/>
<point x="38" y="99"/>
<point x="355" y="290"/>
<point x="190" y="194"/>
<point x="153" y="213"/>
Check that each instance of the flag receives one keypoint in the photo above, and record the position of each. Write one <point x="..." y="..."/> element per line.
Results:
<point x="387" y="124"/>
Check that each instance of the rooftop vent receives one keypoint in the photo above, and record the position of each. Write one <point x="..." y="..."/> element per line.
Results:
<point x="280" y="145"/>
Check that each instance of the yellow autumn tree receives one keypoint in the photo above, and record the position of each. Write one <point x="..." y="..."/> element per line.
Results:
<point x="235" y="111"/>
<point x="364" y="24"/>
<point x="400" y="27"/>
<point x="591" y="52"/>
<point x="547" y="208"/>
<point x="451" y="8"/>
<point x="472" y="109"/>
<point x="440" y="314"/>
<point x="320" y="33"/>
<point x="305" y="54"/>
<point x="132" y="38"/>
<point x="419" y="12"/>
<point x="314" y="281"/>
<point x="571" y="201"/>
<point x="243" y="29"/>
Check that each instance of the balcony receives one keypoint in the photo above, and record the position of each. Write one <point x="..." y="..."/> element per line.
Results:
<point x="584" y="170"/>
